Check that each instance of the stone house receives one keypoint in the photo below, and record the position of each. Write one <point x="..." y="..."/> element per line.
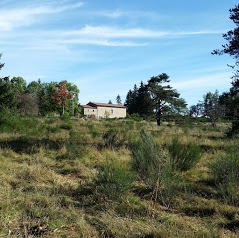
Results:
<point x="104" y="110"/>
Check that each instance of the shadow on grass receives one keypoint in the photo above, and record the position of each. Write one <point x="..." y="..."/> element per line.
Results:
<point x="232" y="226"/>
<point x="30" y="145"/>
<point x="199" y="211"/>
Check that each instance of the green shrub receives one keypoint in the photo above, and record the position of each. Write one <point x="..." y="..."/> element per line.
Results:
<point x="146" y="156"/>
<point x="114" y="179"/>
<point x="154" y="167"/>
<point x="184" y="157"/>
<point x="14" y="122"/>
<point x="66" y="117"/>
<point x="225" y="173"/>
<point x="66" y="126"/>
<point x="114" y="138"/>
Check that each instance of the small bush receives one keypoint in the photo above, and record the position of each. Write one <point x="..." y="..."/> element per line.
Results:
<point x="184" y="157"/>
<point x="66" y="126"/>
<point x="114" y="138"/>
<point x="155" y="168"/>
<point x="233" y="131"/>
<point x="225" y="173"/>
<point x="114" y="179"/>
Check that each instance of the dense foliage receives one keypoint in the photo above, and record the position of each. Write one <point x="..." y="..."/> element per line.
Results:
<point x="37" y="98"/>
<point x="232" y="48"/>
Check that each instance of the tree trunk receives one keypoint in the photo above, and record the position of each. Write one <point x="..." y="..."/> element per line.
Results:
<point x="158" y="121"/>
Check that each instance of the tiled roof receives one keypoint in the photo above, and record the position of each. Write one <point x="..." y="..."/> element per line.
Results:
<point x="98" y="104"/>
<point x="88" y="106"/>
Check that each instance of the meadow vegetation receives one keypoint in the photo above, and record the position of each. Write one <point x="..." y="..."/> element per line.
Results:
<point x="116" y="178"/>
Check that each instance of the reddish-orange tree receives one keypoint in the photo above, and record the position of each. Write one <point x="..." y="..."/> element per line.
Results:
<point x="61" y="95"/>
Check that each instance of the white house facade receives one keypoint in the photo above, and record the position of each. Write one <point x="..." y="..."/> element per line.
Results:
<point x="104" y="110"/>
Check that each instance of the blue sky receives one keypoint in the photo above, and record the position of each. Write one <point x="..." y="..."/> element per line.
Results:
<point x="107" y="46"/>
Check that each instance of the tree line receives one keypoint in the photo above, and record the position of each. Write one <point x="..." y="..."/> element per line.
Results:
<point x="37" y="98"/>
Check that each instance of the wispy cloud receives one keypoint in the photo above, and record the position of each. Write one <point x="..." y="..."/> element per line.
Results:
<point x="10" y="19"/>
<point x="100" y="42"/>
<point x="114" y="32"/>
<point x="135" y="15"/>
<point x="87" y="35"/>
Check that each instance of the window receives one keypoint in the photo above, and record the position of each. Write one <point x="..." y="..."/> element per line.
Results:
<point x="112" y="111"/>
<point x="93" y="110"/>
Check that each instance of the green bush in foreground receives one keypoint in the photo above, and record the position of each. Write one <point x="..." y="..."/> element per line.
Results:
<point x="225" y="173"/>
<point x="154" y="167"/>
<point x="184" y="157"/>
<point x="114" y="179"/>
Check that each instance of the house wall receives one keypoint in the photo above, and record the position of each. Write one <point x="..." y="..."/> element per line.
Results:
<point x="111" y="112"/>
<point x="89" y="112"/>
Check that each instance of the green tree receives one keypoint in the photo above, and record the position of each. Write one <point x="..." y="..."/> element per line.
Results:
<point x="110" y="102"/>
<point x="73" y="103"/>
<point x="19" y="84"/>
<point x="118" y="100"/>
<point x="196" y="110"/>
<point x="130" y="101"/>
<point x="34" y="87"/>
<point x="143" y="102"/>
<point x="232" y="49"/>
<point x="1" y="64"/>
<point x="45" y="97"/>
<point x="7" y="95"/>
<point x="165" y="99"/>
<point x="212" y="108"/>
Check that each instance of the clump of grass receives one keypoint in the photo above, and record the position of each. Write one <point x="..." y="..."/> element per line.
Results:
<point x="225" y="173"/>
<point x="184" y="157"/>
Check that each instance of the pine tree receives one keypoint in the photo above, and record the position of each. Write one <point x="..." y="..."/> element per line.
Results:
<point x="232" y="49"/>
<point x="164" y="97"/>
<point x="118" y="100"/>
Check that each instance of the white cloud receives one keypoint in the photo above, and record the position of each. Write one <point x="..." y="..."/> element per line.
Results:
<point x="111" y="32"/>
<point x="114" y="32"/>
<point x="101" y="42"/>
<point x="111" y="14"/>
<point x="10" y="19"/>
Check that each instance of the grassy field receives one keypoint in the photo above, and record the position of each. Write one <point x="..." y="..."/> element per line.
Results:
<point x="117" y="178"/>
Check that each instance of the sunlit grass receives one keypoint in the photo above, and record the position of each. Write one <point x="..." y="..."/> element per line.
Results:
<point x="49" y="178"/>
